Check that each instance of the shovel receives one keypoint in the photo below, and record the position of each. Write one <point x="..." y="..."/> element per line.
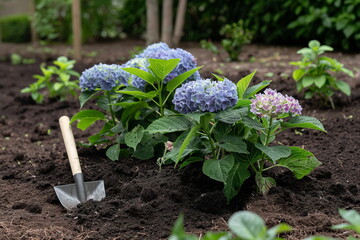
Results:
<point x="71" y="195"/>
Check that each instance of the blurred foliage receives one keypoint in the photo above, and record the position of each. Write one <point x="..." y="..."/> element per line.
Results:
<point x="15" y="28"/>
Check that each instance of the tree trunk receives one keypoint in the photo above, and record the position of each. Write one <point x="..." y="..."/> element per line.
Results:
<point x="76" y="26"/>
<point x="167" y="22"/>
<point x="179" y="23"/>
<point x="152" y="23"/>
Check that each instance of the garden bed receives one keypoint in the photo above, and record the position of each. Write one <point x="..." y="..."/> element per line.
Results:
<point x="143" y="202"/>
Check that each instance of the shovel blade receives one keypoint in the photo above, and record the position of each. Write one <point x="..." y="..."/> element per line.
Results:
<point x="68" y="197"/>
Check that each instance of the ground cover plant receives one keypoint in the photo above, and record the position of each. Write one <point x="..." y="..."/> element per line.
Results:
<point x="143" y="202"/>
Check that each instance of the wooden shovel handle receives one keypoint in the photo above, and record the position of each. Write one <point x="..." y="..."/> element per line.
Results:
<point x="70" y="146"/>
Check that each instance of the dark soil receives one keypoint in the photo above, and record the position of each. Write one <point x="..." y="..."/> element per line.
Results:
<point x="143" y="202"/>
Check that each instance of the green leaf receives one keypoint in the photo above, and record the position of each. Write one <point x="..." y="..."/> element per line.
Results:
<point x="320" y="81"/>
<point x="344" y="87"/>
<point x="113" y="152"/>
<point x="307" y="81"/>
<point x="190" y="161"/>
<point x="236" y="177"/>
<point x="251" y="91"/>
<point x="247" y="225"/>
<point x="178" y="232"/>
<point x="264" y="184"/>
<point x="349" y="30"/>
<point x="145" y="149"/>
<point x="274" y="152"/>
<point x="178" y="80"/>
<point x="87" y="118"/>
<point x="57" y="86"/>
<point x="139" y="94"/>
<point x="351" y="216"/>
<point x="251" y="123"/>
<point x="133" y="138"/>
<point x="230" y="115"/>
<point x="169" y="124"/>
<point x="242" y="103"/>
<point x="148" y="77"/>
<point x="161" y="67"/>
<point x="300" y="162"/>
<point x="304" y="122"/>
<point x="273" y="232"/>
<point x="233" y="144"/>
<point x="298" y="74"/>
<point x="218" y="169"/>
<point x="243" y="84"/>
<point x="191" y="147"/>
<point x="187" y="140"/>
<point x="86" y="96"/>
<point x="217" y="236"/>
<point x="314" y="44"/>
<point x="131" y="111"/>
<point x="195" y="116"/>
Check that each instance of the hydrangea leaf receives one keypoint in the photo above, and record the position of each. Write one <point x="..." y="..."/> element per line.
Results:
<point x="251" y="91"/>
<point x="190" y="161"/>
<point x="113" y="152"/>
<point x="191" y="147"/>
<point x="145" y="149"/>
<point x="169" y="124"/>
<point x="148" y="77"/>
<point x="132" y="110"/>
<point x="233" y="144"/>
<point x="86" y="96"/>
<point x="87" y="118"/>
<point x="344" y="87"/>
<point x="264" y="184"/>
<point x="231" y="116"/>
<point x="187" y="140"/>
<point x="140" y="94"/>
<point x="133" y="138"/>
<point x="304" y="122"/>
<point x="161" y="67"/>
<point x="236" y="177"/>
<point x="247" y="225"/>
<point x="274" y="152"/>
<point x="218" y="169"/>
<point x="300" y="162"/>
<point x="243" y="84"/>
<point x="178" y="80"/>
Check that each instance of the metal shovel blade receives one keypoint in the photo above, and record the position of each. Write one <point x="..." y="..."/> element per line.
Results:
<point x="68" y="197"/>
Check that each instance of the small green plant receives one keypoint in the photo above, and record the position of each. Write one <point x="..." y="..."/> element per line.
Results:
<point x="243" y="225"/>
<point x="314" y="73"/>
<point x="17" y="59"/>
<point x="208" y="45"/>
<point x="56" y="81"/>
<point x="236" y="36"/>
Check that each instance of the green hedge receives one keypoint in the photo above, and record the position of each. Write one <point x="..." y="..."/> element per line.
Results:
<point x="15" y="28"/>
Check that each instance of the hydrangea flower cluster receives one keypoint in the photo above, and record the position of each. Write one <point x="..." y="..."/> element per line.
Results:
<point x="162" y="51"/>
<point x="132" y="79"/>
<point x="103" y="76"/>
<point x="272" y="103"/>
<point x="205" y="95"/>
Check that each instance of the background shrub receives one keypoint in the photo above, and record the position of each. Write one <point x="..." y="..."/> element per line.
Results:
<point x="15" y="28"/>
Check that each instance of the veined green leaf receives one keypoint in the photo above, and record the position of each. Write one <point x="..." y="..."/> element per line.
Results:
<point x="233" y="144"/>
<point x="264" y="184"/>
<point x="133" y="138"/>
<point x="251" y="91"/>
<point x="300" y="162"/>
<point x="236" y="177"/>
<point x="230" y="115"/>
<point x="132" y="110"/>
<point x="344" y="87"/>
<point x="247" y="225"/>
<point x="87" y="118"/>
<point x="145" y="149"/>
<point x="169" y="124"/>
<point x="161" y="67"/>
<point x="274" y="152"/>
<point x="86" y="96"/>
<point x="148" y="77"/>
<point x="304" y="122"/>
<point x="178" y="80"/>
<point x="187" y="140"/>
<point x="139" y="94"/>
<point x="218" y="169"/>
<point x="113" y="152"/>
<point x="243" y="84"/>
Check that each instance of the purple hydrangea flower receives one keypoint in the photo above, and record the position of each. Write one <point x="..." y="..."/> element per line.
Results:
<point x="133" y="80"/>
<point x="102" y="76"/>
<point x="162" y="51"/>
<point x="205" y="95"/>
<point x="272" y="104"/>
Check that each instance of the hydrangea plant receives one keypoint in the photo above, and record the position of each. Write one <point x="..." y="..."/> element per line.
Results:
<point x="232" y="132"/>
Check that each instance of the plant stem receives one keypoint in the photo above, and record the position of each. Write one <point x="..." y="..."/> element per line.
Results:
<point x="110" y="108"/>
<point x="331" y="102"/>
<point x="261" y="167"/>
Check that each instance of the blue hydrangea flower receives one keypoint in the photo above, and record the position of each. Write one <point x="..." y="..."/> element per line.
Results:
<point x="133" y="80"/>
<point x="102" y="76"/>
<point x="205" y="95"/>
<point x="162" y="51"/>
<point x="272" y="104"/>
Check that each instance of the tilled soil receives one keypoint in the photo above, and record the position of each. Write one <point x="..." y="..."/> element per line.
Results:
<point x="143" y="202"/>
